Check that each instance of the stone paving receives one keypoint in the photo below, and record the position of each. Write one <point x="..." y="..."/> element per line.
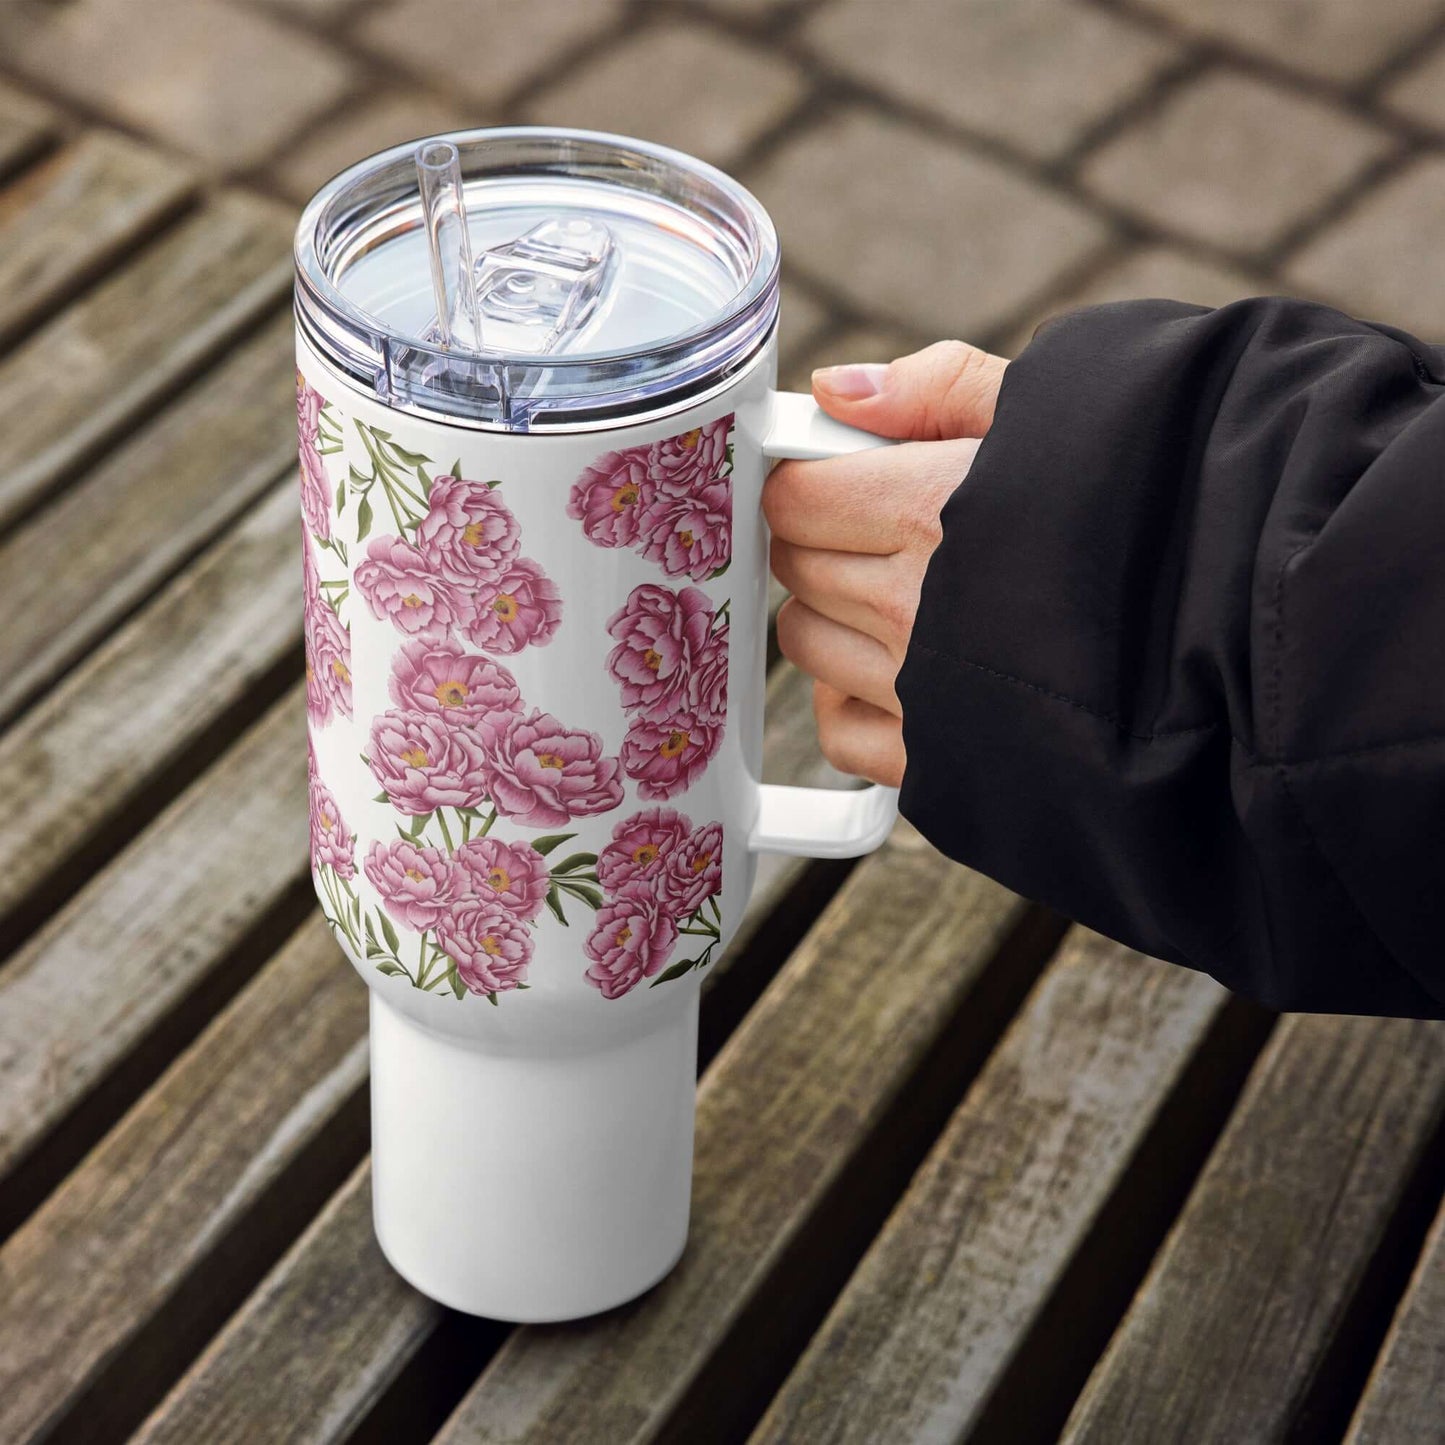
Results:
<point x="936" y="167"/>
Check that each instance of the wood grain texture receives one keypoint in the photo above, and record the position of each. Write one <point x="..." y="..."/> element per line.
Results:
<point x="142" y="1247"/>
<point x="25" y="126"/>
<point x="117" y="725"/>
<point x="789" y="1104"/>
<point x="334" y="1326"/>
<point x="1404" y="1403"/>
<point x="131" y="521"/>
<point x="1229" y="1338"/>
<point x="150" y="927"/>
<point x="932" y="1317"/>
<point x="328" y="1331"/>
<point x="65" y="220"/>
<point x="120" y="351"/>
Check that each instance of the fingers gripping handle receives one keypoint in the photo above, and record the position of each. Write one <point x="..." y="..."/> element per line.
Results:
<point x="818" y="822"/>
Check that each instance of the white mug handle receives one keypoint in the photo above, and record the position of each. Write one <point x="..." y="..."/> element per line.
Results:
<point x="818" y="822"/>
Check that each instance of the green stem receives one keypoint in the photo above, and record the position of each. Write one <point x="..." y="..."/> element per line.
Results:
<point x="441" y="816"/>
<point x="423" y="963"/>
<point x="487" y="826"/>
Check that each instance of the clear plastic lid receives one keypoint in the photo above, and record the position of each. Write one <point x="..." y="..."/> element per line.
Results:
<point x="595" y="279"/>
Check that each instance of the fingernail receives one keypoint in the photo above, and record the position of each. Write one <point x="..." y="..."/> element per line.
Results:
<point x="851" y="383"/>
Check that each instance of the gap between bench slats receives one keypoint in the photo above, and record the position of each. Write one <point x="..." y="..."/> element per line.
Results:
<point x="26" y="127"/>
<point x="345" y="1340"/>
<point x="1089" y="1120"/>
<point x="134" y="341"/>
<point x="140" y="1254"/>
<point x="126" y="728"/>
<point x="66" y="220"/>
<point x="94" y="1006"/>
<point x="810" y="1121"/>
<point x="1404" y="1403"/>
<point x="1258" y="1319"/>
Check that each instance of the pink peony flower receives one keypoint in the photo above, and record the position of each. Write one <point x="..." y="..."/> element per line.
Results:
<point x="660" y="634"/>
<point x="424" y="763"/>
<point x="469" y="534"/>
<point x="523" y="607"/>
<point x="690" y="535"/>
<point x="399" y="583"/>
<point x="315" y="485"/>
<point x="640" y="848"/>
<point x="513" y="875"/>
<point x="631" y="941"/>
<point x="328" y="663"/>
<point x="692" y="460"/>
<point x="611" y="495"/>
<point x="668" y="755"/>
<point x="332" y="843"/>
<point x="693" y="873"/>
<point x="491" y="947"/>
<point x="541" y="773"/>
<point x="707" y="688"/>
<point x="443" y="677"/>
<point x="416" y="884"/>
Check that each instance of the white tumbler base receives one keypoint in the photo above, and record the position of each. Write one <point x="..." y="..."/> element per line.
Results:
<point x="527" y="1187"/>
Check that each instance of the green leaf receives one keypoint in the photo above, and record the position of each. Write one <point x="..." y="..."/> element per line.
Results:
<point x="358" y="478"/>
<point x="716" y="911"/>
<point x="412" y="459"/>
<point x="455" y="979"/>
<point x="494" y="484"/>
<point x="418" y="824"/>
<point x="389" y="968"/>
<point x="548" y="841"/>
<point x="382" y="798"/>
<point x="388" y="932"/>
<point x="363" y="519"/>
<point x="555" y="904"/>
<point x="717" y="572"/>
<point x="341" y="494"/>
<point x="574" y="861"/>
<point x="457" y="469"/>
<point x="590" y="896"/>
<point x="424" y="477"/>
<point x="492" y="999"/>
<point x="376" y="431"/>
<point x="676" y="971"/>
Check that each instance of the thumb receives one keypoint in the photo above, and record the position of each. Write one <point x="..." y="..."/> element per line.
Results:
<point x="946" y="390"/>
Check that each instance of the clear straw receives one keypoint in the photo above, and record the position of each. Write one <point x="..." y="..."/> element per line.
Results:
<point x="439" y="177"/>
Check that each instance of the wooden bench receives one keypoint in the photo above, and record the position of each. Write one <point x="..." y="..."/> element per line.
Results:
<point x="963" y="1172"/>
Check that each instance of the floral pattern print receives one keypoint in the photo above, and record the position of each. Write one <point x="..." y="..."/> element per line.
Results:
<point x="671" y="500"/>
<point x="661" y="879"/>
<point x="670" y="665"/>
<point x="448" y="904"/>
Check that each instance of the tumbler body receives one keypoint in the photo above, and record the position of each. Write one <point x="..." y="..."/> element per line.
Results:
<point x="535" y="686"/>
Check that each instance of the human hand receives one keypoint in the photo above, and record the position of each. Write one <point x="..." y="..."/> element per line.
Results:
<point x="852" y="537"/>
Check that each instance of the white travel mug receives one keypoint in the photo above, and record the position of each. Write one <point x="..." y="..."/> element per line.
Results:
<point x="535" y="396"/>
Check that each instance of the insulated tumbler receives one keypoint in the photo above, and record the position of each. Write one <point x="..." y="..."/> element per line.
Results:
<point x="536" y="406"/>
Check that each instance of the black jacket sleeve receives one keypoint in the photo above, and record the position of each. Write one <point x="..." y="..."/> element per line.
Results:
<point x="1179" y="663"/>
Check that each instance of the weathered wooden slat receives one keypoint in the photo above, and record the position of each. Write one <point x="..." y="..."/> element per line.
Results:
<point x="334" y="1327"/>
<point x="120" y="726"/>
<point x="1096" y="1064"/>
<point x="808" y="1120"/>
<point x="1236" y="1333"/>
<point x="120" y="351"/>
<point x="328" y="1331"/>
<point x="73" y="569"/>
<point x="115" y="1282"/>
<point x="64" y="221"/>
<point x="1404" y="1403"/>
<point x="25" y="126"/>
<point x="147" y="932"/>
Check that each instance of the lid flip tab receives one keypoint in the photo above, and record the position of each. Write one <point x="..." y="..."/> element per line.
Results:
<point x="540" y="290"/>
